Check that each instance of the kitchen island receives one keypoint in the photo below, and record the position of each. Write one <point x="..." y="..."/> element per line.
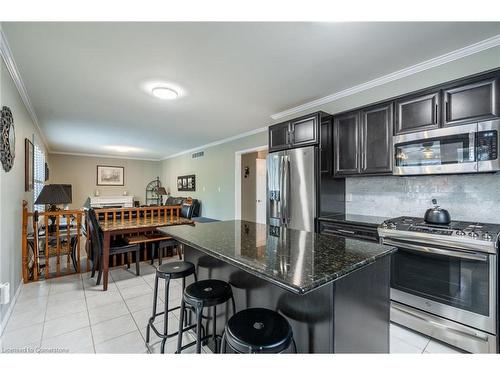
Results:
<point x="334" y="291"/>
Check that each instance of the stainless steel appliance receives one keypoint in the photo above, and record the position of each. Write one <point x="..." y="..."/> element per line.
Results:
<point x="291" y="188"/>
<point x="457" y="149"/>
<point x="444" y="280"/>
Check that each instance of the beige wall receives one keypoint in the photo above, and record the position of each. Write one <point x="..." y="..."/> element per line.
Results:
<point x="80" y="172"/>
<point x="12" y="188"/>
<point x="215" y="175"/>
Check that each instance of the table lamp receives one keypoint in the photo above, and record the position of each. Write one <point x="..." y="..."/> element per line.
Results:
<point x="52" y="195"/>
<point x="160" y="190"/>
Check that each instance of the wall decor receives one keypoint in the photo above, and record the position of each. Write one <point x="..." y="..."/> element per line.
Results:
<point x="8" y="139"/>
<point x="29" y="164"/>
<point x="186" y="183"/>
<point x="110" y="175"/>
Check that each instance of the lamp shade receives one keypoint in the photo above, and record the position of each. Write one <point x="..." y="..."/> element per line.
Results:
<point x="54" y="194"/>
<point x="161" y="191"/>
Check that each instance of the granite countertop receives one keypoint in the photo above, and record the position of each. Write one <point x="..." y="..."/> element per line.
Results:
<point x="372" y="221"/>
<point x="296" y="260"/>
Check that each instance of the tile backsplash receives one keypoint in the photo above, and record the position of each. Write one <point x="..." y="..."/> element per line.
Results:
<point x="466" y="197"/>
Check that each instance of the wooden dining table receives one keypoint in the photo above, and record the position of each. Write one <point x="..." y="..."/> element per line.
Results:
<point x="137" y="225"/>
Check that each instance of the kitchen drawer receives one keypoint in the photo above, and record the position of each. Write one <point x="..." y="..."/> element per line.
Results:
<point x="359" y="232"/>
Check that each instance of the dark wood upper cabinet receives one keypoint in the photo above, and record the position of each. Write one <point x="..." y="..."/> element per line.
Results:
<point x="304" y="131"/>
<point x="326" y="145"/>
<point x="278" y="137"/>
<point x="471" y="102"/>
<point x="299" y="132"/>
<point x="346" y="144"/>
<point x="417" y="113"/>
<point x="376" y="139"/>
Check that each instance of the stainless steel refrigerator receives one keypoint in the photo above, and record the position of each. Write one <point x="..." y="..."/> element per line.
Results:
<point x="291" y="188"/>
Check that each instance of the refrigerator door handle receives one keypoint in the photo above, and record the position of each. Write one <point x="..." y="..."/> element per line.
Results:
<point x="286" y="189"/>
<point x="282" y="192"/>
<point x="288" y="192"/>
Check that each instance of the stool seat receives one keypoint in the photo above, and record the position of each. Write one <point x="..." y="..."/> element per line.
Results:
<point x="175" y="270"/>
<point x="210" y="292"/>
<point x="258" y="330"/>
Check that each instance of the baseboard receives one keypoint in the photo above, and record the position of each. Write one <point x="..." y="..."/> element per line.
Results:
<point x="12" y="303"/>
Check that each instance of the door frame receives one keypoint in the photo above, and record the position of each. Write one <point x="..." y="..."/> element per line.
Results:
<point x="237" y="177"/>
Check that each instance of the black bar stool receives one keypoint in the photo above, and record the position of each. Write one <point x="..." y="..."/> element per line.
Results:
<point x="201" y="294"/>
<point x="169" y="271"/>
<point x="258" y="330"/>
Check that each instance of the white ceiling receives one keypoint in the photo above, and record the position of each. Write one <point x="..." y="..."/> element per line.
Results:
<point x="85" y="80"/>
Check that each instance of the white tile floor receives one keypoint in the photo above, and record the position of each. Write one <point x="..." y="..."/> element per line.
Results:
<point x="73" y="314"/>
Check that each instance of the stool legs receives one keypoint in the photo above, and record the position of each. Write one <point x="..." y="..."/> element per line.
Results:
<point x="155" y="298"/>
<point x="223" y="343"/>
<point x="165" y="320"/>
<point x="199" y="311"/>
<point x="181" y="321"/>
<point x="214" y="327"/>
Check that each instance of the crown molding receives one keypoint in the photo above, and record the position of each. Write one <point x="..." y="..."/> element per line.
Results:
<point x="101" y="156"/>
<point x="219" y="142"/>
<point x="8" y="58"/>
<point x="417" y="68"/>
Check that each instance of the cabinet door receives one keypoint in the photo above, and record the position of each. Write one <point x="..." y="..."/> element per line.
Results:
<point x="376" y="139"/>
<point x="476" y="101"/>
<point x="325" y="146"/>
<point x="346" y="144"/>
<point x="278" y="137"/>
<point x="417" y="113"/>
<point x="304" y="131"/>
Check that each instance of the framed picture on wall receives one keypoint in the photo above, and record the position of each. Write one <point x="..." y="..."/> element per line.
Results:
<point x="29" y="164"/>
<point x="110" y="176"/>
<point x="186" y="183"/>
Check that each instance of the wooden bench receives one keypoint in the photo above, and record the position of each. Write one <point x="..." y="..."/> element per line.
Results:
<point x="154" y="239"/>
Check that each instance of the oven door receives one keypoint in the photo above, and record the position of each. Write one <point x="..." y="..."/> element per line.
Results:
<point x="456" y="285"/>
<point x="447" y="150"/>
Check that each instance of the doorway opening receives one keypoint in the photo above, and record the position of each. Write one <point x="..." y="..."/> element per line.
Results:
<point x="250" y="185"/>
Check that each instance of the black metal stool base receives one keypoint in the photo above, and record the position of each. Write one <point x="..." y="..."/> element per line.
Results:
<point x="200" y="295"/>
<point x="167" y="272"/>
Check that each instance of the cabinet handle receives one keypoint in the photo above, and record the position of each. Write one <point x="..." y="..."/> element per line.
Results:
<point x="436" y="114"/>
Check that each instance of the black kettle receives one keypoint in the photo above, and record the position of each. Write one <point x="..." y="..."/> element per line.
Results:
<point x="437" y="215"/>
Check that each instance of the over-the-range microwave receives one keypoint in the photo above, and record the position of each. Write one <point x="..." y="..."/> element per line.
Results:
<point x="467" y="148"/>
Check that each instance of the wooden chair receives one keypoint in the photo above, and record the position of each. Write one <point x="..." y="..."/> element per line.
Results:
<point x="117" y="246"/>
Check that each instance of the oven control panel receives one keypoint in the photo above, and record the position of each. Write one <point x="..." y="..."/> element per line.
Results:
<point x="456" y="229"/>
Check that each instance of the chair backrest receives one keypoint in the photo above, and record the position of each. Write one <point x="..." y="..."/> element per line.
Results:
<point x="187" y="210"/>
<point x="95" y="231"/>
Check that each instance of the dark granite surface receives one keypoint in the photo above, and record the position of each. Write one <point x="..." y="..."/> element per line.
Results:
<point x="296" y="260"/>
<point x="372" y="221"/>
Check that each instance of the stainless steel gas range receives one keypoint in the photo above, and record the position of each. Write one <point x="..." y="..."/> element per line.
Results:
<point x="444" y="280"/>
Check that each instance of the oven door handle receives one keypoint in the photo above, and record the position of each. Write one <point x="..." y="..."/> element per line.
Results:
<point x="433" y="250"/>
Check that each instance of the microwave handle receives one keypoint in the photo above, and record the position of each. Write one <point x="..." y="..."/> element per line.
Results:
<point x="473" y="148"/>
<point x="433" y="250"/>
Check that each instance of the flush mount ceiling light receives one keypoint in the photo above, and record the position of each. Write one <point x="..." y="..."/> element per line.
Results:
<point x="123" y="149"/>
<point x="164" y="93"/>
<point x="161" y="89"/>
